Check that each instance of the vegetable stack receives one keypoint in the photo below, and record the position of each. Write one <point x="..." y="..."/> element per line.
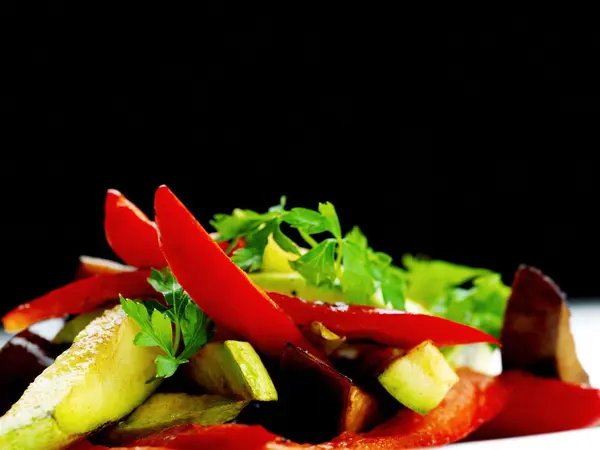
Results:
<point x="244" y="338"/>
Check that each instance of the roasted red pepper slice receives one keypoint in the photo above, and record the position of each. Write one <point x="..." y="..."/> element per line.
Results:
<point x="385" y="326"/>
<point x="221" y="437"/>
<point x="134" y="237"/>
<point x="129" y="232"/>
<point x="542" y="405"/>
<point x="217" y="285"/>
<point x="78" y="297"/>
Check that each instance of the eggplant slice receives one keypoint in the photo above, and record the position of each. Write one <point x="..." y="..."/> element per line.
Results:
<point x="536" y="336"/>
<point x="22" y="359"/>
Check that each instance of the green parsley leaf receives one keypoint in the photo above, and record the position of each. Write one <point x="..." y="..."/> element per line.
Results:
<point x="165" y="283"/>
<point x="162" y="281"/>
<point x="328" y="211"/>
<point x="307" y="220"/>
<point x="163" y="327"/>
<point x="389" y="278"/>
<point x="138" y="312"/>
<point x="240" y="223"/>
<point x="166" y="366"/>
<point x="393" y="286"/>
<point x="250" y="257"/>
<point x="145" y="340"/>
<point x="151" y="305"/>
<point x="284" y="242"/>
<point x="281" y="206"/>
<point x="196" y="329"/>
<point x="163" y="331"/>
<point x="356" y="236"/>
<point x="378" y="264"/>
<point x="318" y="264"/>
<point x="357" y="283"/>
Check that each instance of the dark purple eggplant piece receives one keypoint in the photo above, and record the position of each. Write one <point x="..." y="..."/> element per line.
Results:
<point x="22" y="359"/>
<point x="536" y="336"/>
<point x="320" y="402"/>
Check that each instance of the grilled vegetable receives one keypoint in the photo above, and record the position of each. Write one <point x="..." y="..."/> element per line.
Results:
<point x="232" y="368"/>
<point x="99" y="379"/>
<point x="420" y="379"/>
<point x="163" y="410"/>
<point x="319" y="402"/>
<point x="536" y="336"/>
<point x="23" y="358"/>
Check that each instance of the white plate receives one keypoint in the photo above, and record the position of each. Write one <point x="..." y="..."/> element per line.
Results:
<point x="585" y="323"/>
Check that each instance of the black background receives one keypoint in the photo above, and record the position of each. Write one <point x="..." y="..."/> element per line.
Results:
<point x="471" y="139"/>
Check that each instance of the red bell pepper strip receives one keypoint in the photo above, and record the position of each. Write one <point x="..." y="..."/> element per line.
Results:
<point x="91" y="265"/>
<point x="78" y="297"/>
<point x="385" y="326"/>
<point x="217" y="285"/>
<point x="129" y="232"/>
<point x="542" y="405"/>
<point x="216" y="437"/>
<point x="134" y="237"/>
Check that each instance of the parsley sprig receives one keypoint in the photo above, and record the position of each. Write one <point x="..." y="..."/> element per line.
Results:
<point x="346" y="262"/>
<point x="337" y="261"/>
<point x="167" y="326"/>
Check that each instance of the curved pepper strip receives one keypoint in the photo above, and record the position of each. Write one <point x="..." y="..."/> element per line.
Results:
<point x="542" y="405"/>
<point x="78" y="297"/>
<point x="134" y="237"/>
<point x="129" y="232"/>
<point x="385" y="326"/>
<point x="474" y="400"/>
<point x="221" y="289"/>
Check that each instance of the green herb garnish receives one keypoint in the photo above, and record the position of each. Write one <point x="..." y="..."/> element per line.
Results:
<point x="166" y="327"/>
<point x="336" y="261"/>
<point x="439" y="286"/>
<point x="347" y="263"/>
